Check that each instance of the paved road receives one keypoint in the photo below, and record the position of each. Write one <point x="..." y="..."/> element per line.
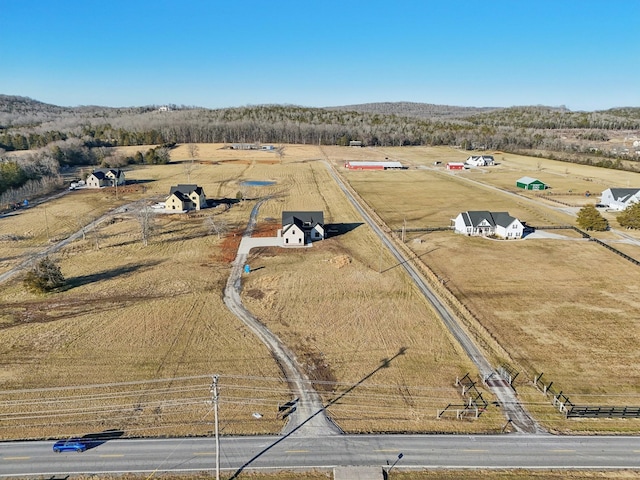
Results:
<point x="509" y="402"/>
<point x="309" y="416"/>
<point x="240" y="454"/>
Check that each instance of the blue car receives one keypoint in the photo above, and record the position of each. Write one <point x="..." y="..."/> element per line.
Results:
<point x="70" y="445"/>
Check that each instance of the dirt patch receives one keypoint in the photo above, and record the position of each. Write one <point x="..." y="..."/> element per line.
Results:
<point x="255" y="293"/>
<point x="266" y="230"/>
<point x="340" y="261"/>
<point x="230" y="244"/>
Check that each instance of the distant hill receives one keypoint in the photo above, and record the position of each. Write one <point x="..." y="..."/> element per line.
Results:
<point x="417" y="110"/>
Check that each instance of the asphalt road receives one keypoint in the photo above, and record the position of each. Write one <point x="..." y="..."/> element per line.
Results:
<point x="241" y="454"/>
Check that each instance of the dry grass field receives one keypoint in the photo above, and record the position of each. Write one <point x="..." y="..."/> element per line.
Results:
<point x="131" y="342"/>
<point x="565" y="307"/>
<point x="133" y="339"/>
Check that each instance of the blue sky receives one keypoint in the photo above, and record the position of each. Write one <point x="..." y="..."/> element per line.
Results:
<point x="212" y="53"/>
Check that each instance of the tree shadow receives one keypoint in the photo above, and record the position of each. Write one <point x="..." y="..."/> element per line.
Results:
<point x="78" y="281"/>
<point x="335" y="229"/>
<point x="384" y="363"/>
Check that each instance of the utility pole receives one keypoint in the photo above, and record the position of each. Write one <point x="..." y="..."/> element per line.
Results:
<point x="214" y="391"/>
<point x="46" y="223"/>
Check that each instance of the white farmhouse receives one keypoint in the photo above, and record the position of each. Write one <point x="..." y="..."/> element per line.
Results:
<point x="620" y="198"/>
<point x="480" y="160"/>
<point x="301" y="228"/>
<point x="483" y="223"/>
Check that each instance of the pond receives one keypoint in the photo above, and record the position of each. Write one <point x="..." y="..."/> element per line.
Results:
<point x="257" y="183"/>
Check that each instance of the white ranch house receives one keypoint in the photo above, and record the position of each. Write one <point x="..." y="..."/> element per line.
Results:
<point x="484" y="223"/>
<point x="620" y="198"/>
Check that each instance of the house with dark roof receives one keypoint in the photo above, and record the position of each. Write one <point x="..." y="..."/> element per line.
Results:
<point x="106" y="177"/>
<point x="301" y="228"/>
<point x="620" y="198"/>
<point x="484" y="223"/>
<point x="183" y="198"/>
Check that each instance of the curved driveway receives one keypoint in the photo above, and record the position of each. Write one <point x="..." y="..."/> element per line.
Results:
<point x="308" y="416"/>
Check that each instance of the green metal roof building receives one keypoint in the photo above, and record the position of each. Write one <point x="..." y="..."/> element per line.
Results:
<point x="529" y="183"/>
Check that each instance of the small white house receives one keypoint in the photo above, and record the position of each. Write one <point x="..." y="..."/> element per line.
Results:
<point x="301" y="228"/>
<point x="480" y="160"/>
<point x="620" y="198"/>
<point x="483" y="223"/>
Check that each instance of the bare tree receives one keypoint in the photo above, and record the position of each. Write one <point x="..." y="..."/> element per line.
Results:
<point x="280" y="151"/>
<point x="146" y="220"/>
<point x="190" y="166"/>
<point x="217" y="226"/>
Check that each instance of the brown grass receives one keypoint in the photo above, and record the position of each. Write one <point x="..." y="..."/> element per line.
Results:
<point x="137" y="314"/>
<point x="565" y="308"/>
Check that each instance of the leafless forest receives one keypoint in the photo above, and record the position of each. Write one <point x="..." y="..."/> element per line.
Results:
<point x="62" y="136"/>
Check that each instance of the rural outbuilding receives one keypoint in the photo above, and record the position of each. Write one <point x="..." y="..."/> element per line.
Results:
<point x="300" y="228"/>
<point x="529" y="183"/>
<point x="455" y="166"/>
<point x="483" y="223"/>
<point x="620" y="198"/>
<point x="373" y="165"/>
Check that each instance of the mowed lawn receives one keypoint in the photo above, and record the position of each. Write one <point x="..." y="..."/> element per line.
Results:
<point x="566" y="307"/>
<point x="130" y="345"/>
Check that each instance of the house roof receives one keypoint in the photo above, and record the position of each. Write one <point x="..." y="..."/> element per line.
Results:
<point x="374" y="164"/>
<point x="527" y="180"/>
<point x="475" y="218"/>
<point x="303" y="218"/>
<point x="623" y="194"/>
<point x="186" y="189"/>
<point x="101" y="173"/>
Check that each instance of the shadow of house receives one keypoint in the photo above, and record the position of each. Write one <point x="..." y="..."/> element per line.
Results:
<point x="335" y="229"/>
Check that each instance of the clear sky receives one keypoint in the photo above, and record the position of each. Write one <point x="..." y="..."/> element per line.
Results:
<point x="213" y="53"/>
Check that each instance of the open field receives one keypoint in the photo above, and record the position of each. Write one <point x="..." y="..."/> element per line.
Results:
<point x="140" y="314"/>
<point x="556" y="306"/>
<point x="133" y="339"/>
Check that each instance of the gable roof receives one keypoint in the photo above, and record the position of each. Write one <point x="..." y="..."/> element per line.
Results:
<point x="475" y="218"/>
<point x="186" y="189"/>
<point x="623" y="194"/>
<point x="527" y="180"/>
<point x="301" y="219"/>
<point x="101" y="173"/>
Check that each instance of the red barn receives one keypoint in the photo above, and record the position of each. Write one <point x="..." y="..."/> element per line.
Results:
<point x="455" y="166"/>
